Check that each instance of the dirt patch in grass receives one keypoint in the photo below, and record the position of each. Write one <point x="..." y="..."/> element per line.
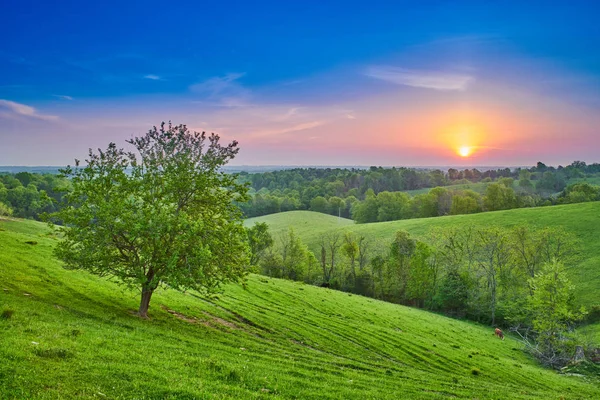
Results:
<point x="220" y="321"/>
<point x="191" y="320"/>
<point x="213" y="321"/>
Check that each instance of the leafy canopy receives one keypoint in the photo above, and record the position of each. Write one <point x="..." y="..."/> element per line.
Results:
<point x="161" y="214"/>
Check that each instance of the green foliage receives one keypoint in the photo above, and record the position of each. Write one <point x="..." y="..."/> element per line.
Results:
<point x="580" y="193"/>
<point x="291" y="259"/>
<point x="468" y="202"/>
<point x="319" y="204"/>
<point x="567" y="232"/>
<point x="553" y="314"/>
<point x="30" y="195"/>
<point x="5" y="210"/>
<point x="163" y="215"/>
<point x="453" y="294"/>
<point x="499" y="197"/>
<point x="259" y="240"/>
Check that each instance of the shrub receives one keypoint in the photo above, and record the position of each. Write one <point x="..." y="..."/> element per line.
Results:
<point x="5" y="210"/>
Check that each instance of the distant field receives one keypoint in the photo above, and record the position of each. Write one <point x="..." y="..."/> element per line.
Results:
<point x="307" y="224"/>
<point x="478" y="187"/>
<point x="592" y="180"/>
<point x="583" y="220"/>
<point x="67" y="334"/>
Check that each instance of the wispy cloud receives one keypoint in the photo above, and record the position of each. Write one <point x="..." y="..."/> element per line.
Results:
<point x="224" y="89"/>
<point x="13" y="109"/>
<point x="62" y="97"/>
<point x="419" y="78"/>
<point x="152" y="77"/>
<point x="294" y="128"/>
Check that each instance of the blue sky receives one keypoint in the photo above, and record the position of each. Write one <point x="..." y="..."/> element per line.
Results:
<point x="391" y="83"/>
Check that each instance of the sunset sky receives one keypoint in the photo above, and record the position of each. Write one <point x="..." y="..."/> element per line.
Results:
<point x="330" y="83"/>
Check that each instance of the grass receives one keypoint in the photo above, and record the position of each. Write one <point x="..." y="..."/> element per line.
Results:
<point x="478" y="187"/>
<point x="583" y="220"/>
<point x="71" y="334"/>
<point x="592" y="180"/>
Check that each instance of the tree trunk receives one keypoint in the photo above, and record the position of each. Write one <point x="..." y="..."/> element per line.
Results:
<point x="145" y="302"/>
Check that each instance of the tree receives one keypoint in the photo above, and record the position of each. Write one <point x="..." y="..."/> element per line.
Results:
<point x="259" y="240"/>
<point x="493" y="260"/>
<point x="452" y="294"/>
<point x="499" y="196"/>
<point x="319" y="204"/>
<point x="423" y="276"/>
<point x="329" y="242"/>
<point x="162" y="214"/>
<point x="401" y="251"/>
<point x="553" y="314"/>
<point x="465" y="203"/>
<point x="5" y="210"/>
<point x="350" y="250"/>
<point x="297" y="260"/>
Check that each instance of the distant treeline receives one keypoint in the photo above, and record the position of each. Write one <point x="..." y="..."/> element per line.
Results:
<point x="372" y="195"/>
<point x="385" y="194"/>
<point x="29" y="195"/>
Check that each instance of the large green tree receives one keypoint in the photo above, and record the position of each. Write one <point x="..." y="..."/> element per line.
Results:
<point x="161" y="214"/>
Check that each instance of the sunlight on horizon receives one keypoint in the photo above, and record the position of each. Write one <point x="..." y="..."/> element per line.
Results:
<point x="465" y="151"/>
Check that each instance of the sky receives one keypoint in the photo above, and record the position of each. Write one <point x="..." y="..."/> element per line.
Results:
<point x="401" y="83"/>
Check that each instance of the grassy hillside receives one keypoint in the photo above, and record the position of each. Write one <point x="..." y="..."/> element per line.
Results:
<point x="307" y="224"/>
<point x="478" y="187"/>
<point x="583" y="220"/>
<point x="69" y="334"/>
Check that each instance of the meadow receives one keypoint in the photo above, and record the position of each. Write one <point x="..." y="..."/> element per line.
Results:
<point x="582" y="220"/>
<point x="66" y="334"/>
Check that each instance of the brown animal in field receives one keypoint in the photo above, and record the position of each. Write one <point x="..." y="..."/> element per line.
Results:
<point x="498" y="332"/>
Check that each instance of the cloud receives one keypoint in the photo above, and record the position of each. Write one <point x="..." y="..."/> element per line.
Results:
<point x="152" y="77"/>
<point x="290" y="129"/>
<point x="421" y="79"/>
<point x="225" y="89"/>
<point x="62" y="97"/>
<point x="12" y="109"/>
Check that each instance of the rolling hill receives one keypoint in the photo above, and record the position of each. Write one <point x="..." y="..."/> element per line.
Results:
<point x="70" y="334"/>
<point x="583" y="220"/>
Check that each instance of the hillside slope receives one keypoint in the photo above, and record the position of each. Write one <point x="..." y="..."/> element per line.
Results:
<point x="307" y="224"/>
<point x="69" y="334"/>
<point x="583" y="220"/>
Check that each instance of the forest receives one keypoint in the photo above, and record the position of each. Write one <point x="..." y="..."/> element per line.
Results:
<point x="386" y="194"/>
<point x="376" y="194"/>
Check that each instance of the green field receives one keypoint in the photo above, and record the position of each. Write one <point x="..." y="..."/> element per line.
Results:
<point x="66" y="334"/>
<point x="478" y="187"/>
<point x="583" y="220"/>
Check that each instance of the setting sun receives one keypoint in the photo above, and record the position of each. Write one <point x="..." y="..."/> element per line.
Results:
<point x="465" y="151"/>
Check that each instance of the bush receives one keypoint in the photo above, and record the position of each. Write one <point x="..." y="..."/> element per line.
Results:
<point x="594" y="314"/>
<point x="5" y="210"/>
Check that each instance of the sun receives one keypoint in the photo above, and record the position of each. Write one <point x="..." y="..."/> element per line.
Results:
<point x="465" y="151"/>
